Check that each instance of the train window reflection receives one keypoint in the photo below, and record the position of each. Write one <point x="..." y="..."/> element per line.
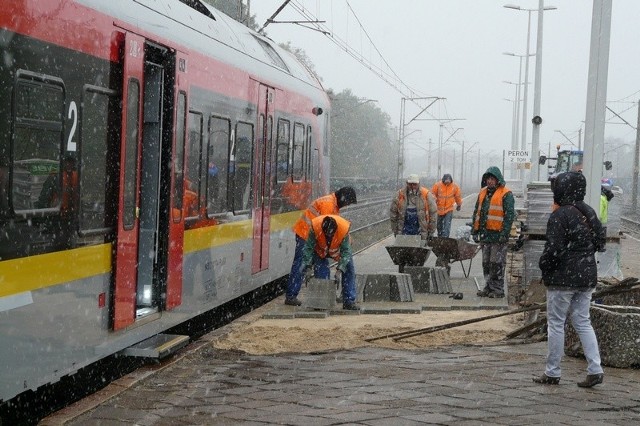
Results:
<point x="282" y="151"/>
<point x="240" y="167"/>
<point x="217" y="164"/>
<point x="298" y="152"/>
<point x="131" y="155"/>
<point x="307" y="154"/>
<point x="179" y="184"/>
<point x="95" y="179"/>
<point x="194" y="149"/>
<point x="37" y="146"/>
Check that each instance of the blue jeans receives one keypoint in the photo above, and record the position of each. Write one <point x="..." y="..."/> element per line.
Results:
<point x="295" y="276"/>
<point x="444" y="224"/>
<point x="573" y="303"/>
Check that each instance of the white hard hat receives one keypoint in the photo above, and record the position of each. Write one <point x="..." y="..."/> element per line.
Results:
<point x="413" y="178"/>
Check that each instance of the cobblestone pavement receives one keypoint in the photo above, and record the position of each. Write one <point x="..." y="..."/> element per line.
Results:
<point x="368" y="386"/>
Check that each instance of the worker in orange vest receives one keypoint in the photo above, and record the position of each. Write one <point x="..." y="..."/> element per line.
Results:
<point x="492" y="218"/>
<point x="447" y="194"/>
<point x="329" y="204"/>
<point x="329" y="238"/>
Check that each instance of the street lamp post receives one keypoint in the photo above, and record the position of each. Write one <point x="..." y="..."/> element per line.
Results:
<point x="514" y="126"/>
<point x="526" y="84"/>
<point x="538" y="54"/>
<point x="514" y="138"/>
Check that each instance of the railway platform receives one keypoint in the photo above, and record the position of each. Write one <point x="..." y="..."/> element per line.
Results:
<point x="367" y="385"/>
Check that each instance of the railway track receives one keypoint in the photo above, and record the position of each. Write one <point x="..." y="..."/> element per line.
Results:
<point x="630" y="226"/>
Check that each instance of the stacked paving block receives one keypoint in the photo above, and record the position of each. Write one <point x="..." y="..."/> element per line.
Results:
<point x="395" y="287"/>
<point x="440" y="282"/>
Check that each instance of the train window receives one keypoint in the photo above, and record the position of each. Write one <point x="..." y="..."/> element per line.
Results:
<point x="282" y="150"/>
<point x="325" y="144"/>
<point x="272" y="54"/>
<point x="37" y="145"/>
<point x="193" y="164"/>
<point x="240" y="167"/>
<point x="96" y="180"/>
<point x="307" y="153"/>
<point x="297" y="156"/>
<point x="217" y="164"/>
<point x="131" y="155"/>
<point x="178" y="167"/>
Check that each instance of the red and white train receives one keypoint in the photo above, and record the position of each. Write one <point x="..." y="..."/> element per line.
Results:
<point x="153" y="157"/>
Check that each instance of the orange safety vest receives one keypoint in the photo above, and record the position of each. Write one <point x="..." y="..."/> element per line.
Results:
<point x="445" y="196"/>
<point x="321" y="206"/>
<point x="424" y="193"/>
<point x="332" y="250"/>
<point x="495" y="215"/>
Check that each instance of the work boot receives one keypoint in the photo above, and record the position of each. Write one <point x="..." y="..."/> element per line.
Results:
<point x="292" y="302"/>
<point x="592" y="380"/>
<point x="493" y="295"/>
<point x="546" y="380"/>
<point x="350" y="307"/>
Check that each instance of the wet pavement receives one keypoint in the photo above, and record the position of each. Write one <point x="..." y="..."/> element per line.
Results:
<point x="367" y="386"/>
<point x="461" y="385"/>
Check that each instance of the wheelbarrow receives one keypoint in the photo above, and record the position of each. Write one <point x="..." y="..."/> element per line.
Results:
<point x="408" y="250"/>
<point x="453" y="250"/>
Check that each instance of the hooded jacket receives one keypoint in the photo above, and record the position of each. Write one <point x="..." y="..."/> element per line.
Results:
<point x="574" y="234"/>
<point x="486" y="203"/>
<point x="446" y="194"/>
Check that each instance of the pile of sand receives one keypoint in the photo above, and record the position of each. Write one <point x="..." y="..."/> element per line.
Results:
<point x="258" y="336"/>
<point x="270" y="336"/>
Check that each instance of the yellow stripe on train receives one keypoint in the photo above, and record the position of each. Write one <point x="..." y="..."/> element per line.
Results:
<point x="47" y="270"/>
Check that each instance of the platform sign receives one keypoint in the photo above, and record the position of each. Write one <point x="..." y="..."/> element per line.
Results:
<point x="518" y="157"/>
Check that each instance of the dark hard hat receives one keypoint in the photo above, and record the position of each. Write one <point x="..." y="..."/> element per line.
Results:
<point x="346" y="196"/>
<point x="329" y="227"/>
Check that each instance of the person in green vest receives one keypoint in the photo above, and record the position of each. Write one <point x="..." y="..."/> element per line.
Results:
<point x="605" y="196"/>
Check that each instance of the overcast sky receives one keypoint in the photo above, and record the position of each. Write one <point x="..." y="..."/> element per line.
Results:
<point x="454" y="49"/>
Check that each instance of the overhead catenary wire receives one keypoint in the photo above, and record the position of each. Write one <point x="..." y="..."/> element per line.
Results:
<point x="386" y="73"/>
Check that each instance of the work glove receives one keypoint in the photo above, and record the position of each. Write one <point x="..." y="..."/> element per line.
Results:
<point x="308" y="273"/>
<point x="338" y="276"/>
<point x="458" y="208"/>
<point x="476" y="238"/>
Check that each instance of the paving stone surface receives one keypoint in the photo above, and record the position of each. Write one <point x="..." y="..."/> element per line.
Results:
<point x="457" y="385"/>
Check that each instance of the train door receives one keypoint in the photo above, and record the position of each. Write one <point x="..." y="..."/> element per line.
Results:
<point x="263" y="158"/>
<point x="148" y="269"/>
